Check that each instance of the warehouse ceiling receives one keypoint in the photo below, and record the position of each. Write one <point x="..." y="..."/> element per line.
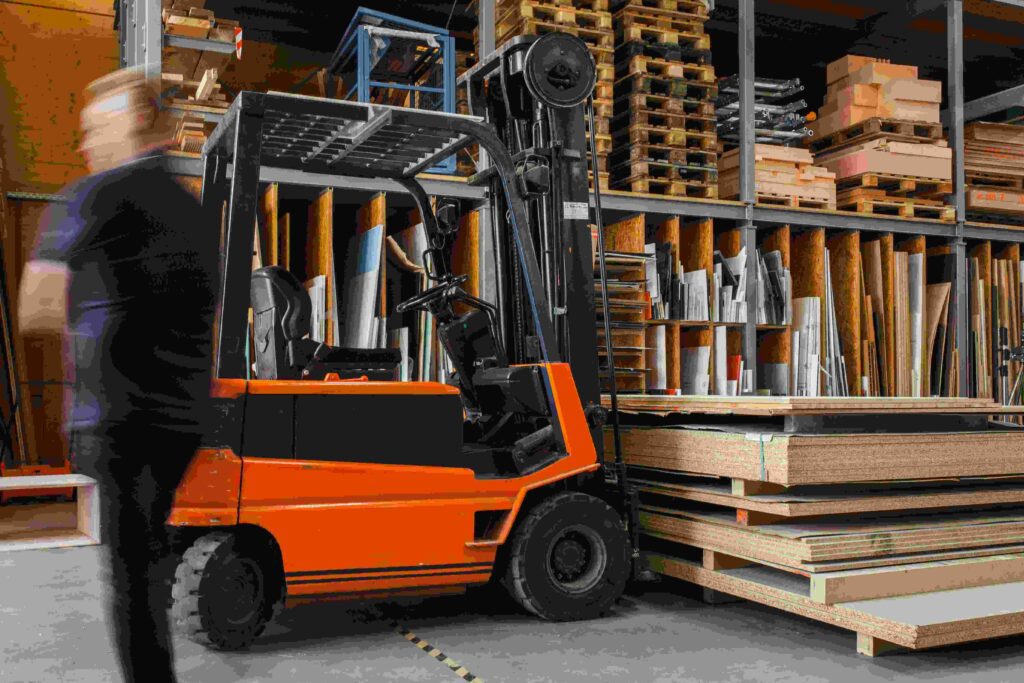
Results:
<point x="795" y="38"/>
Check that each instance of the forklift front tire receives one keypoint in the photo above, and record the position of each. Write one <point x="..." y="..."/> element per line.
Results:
<point x="224" y="595"/>
<point x="568" y="558"/>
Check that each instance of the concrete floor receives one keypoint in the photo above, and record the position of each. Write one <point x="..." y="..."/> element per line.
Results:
<point x="51" y="630"/>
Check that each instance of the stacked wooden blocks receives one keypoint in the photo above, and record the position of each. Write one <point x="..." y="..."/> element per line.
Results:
<point x="899" y="519"/>
<point x="784" y="176"/>
<point x="192" y="75"/>
<point x="590" y="21"/>
<point x="994" y="164"/>
<point x="664" y="129"/>
<point x="879" y="132"/>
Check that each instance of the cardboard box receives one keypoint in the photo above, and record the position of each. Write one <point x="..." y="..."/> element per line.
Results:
<point x="850" y="64"/>
<point x="875" y="72"/>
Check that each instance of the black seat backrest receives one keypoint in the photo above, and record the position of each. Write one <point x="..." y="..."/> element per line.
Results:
<point x="282" y="311"/>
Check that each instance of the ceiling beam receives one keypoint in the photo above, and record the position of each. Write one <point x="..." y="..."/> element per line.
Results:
<point x="991" y="104"/>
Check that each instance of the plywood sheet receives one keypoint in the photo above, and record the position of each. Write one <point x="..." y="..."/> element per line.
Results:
<point x="835" y="500"/>
<point x="778" y="406"/>
<point x="777" y="458"/>
<point x="43" y="77"/>
<point x="921" y="621"/>
<point x="792" y="544"/>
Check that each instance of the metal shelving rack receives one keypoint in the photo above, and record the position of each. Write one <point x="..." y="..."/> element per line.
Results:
<point x="141" y="44"/>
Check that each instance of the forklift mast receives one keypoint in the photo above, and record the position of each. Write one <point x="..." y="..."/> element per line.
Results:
<point x="534" y="92"/>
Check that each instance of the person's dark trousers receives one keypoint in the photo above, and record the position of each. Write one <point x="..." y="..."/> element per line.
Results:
<point x="138" y="468"/>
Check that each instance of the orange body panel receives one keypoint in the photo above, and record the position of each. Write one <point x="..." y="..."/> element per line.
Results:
<point x="209" y="491"/>
<point x="357" y="528"/>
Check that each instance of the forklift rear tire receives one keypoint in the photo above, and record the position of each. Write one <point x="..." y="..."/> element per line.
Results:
<point x="224" y="595"/>
<point x="568" y="558"/>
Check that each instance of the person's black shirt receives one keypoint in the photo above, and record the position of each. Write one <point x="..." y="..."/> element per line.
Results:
<point x="144" y="269"/>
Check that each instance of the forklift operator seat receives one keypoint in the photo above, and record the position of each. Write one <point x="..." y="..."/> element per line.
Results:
<point x="281" y="315"/>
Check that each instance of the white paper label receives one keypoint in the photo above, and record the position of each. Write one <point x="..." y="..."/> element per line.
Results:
<point x="576" y="211"/>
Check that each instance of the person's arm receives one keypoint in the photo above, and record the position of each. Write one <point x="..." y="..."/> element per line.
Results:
<point x="42" y="301"/>
<point x="43" y="296"/>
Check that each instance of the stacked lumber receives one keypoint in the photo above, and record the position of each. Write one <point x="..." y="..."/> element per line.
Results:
<point x="192" y="76"/>
<point x="994" y="165"/>
<point x="912" y="537"/>
<point x="664" y="140"/>
<point x="784" y="176"/>
<point x="590" y="21"/>
<point x="879" y="132"/>
<point x="192" y="99"/>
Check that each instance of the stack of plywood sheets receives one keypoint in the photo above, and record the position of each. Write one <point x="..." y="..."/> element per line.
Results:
<point x="912" y="538"/>
<point x="994" y="165"/>
<point x="784" y="176"/>
<point x="879" y="132"/>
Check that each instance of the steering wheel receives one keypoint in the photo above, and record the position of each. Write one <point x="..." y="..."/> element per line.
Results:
<point x="424" y="299"/>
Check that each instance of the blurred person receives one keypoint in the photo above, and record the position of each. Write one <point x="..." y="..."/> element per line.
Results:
<point x="127" y="269"/>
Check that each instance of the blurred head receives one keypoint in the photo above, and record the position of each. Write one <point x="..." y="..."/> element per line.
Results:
<point x="121" y="119"/>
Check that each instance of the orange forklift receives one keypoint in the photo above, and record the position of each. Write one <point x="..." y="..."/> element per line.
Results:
<point x="325" y="477"/>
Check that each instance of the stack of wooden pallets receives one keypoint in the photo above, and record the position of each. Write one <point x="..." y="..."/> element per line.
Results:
<point x="994" y="164"/>
<point x="589" y="20"/>
<point x="784" y="176"/>
<point x="899" y="519"/>
<point x="664" y="129"/>
<point x="191" y="76"/>
<point x="879" y="132"/>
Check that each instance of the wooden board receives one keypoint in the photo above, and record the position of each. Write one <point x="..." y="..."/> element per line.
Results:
<point x="797" y="545"/>
<point x="921" y="621"/>
<point x="799" y="405"/>
<point x="320" y="252"/>
<point x="827" y="459"/>
<point x="835" y="500"/>
<point x="49" y="54"/>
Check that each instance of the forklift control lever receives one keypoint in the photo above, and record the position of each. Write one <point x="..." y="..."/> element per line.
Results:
<point x="428" y="297"/>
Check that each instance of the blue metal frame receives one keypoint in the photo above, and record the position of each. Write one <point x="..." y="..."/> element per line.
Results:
<point x="355" y="44"/>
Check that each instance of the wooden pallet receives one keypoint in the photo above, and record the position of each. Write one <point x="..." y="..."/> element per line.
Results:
<point x="1001" y="181"/>
<point x="688" y="8"/>
<point x="604" y="89"/>
<point x="645" y="135"/>
<point x="603" y="126"/>
<point x="567" y="15"/>
<point x="892" y="129"/>
<point x="653" y="66"/>
<point x="596" y="5"/>
<point x="630" y="28"/>
<point x="667" y="120"/>
<point x="682" y="53"/>
<point x="896" y="185"/>
<point x="668" y="188"/>
<point x="920" y="621"/>
<point x="665" y="104"/>
<point x="604" y="144"/>
<point x="666" y="86"/>
<point x="684" y="156"/>
<point x="600" y="41"/>
<point x="639" y="16"/>
<point x="793" y="201"/>
<point x="864" y="200"/>
<point x="666" y="171"/>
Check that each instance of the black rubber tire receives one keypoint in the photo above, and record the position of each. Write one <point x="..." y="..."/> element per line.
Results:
<point x="224" y="596"/>
<point x="532" y="574"/>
